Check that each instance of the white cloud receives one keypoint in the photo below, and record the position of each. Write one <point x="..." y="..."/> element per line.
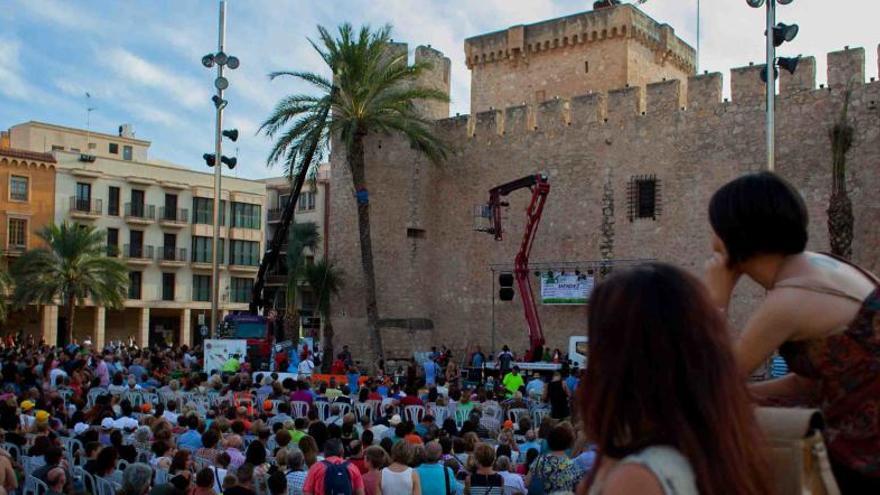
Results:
<point x="12" y="82"/>
<point x="65" y="14"/>
<point x="184" y="90"/>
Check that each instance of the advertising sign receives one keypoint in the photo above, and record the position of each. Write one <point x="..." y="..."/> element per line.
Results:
<point x="566" y="288"/>
<point x="218" y="351"/>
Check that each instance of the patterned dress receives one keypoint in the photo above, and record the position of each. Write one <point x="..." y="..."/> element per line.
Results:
<point x="559" y="474"/>
<point x="846" y="367"/>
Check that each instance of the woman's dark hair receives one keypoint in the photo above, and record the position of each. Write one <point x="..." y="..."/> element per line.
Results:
<point x="106" y="460"/>
<point x="561" y="437"/>
<point x="210" y="439"/>
<point x="367" y="438"/>
<point x="386" y="444"/>
<point x="205" y="478"/>
<point x="531" y="455"/>
<point x="160" y="448"/>
<point x="256" y="454"/>
<point x="179" y="461"/>
<point x="363" y="394"/>
<point x="658" y="317"/>
<point x="759" y="213"/>
<point x="503" y="450"/>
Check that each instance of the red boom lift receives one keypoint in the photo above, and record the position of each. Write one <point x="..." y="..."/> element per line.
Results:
<point x="540" y="187"/>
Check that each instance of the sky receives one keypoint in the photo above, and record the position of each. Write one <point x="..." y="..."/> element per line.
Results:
<point x="140" y="60"/>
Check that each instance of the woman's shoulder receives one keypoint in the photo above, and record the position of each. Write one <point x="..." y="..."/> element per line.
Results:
<point x="672" y="469"/>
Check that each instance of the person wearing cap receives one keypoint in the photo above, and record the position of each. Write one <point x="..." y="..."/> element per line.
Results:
<point x="26" y="418"/>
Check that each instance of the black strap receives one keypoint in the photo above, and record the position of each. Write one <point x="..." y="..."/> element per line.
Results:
<point x="446" y="477"/>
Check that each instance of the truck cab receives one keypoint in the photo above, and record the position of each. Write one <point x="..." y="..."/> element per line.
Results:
<point x="257" y="331"/>
<point x="578" y="350"/>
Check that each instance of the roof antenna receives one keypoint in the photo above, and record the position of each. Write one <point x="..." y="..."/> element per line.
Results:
<point x="89" y="109"/>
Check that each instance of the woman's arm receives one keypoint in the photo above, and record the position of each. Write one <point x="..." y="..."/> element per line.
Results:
<point x="774" y="323"/>
<point x="417" y="483"/>
<point x="790" y="386"/>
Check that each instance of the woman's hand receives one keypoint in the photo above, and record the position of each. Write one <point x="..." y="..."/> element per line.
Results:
<point x="720" y="279"/>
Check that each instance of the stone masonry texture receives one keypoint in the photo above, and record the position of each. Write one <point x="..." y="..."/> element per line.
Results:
<point x="436" y="288"/>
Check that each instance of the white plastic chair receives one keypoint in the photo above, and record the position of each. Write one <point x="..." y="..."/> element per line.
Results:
<point x="461" y="415"/>
<point x="414" y="413"/>
<point x="88" y="481"/>
<point x="161" y="477"/>
<point x="13" y="450"/>
<point x="343" y="408"/>
<point x="538" y="416"/>
<point x="364" y="409"/>
<point x="105" y="486"/>
<point x="300" y="409"/>
<point x="516" y="413"/>
<point x="323" y="409"/>
<point x="73" y="450"/>
<point x="94" y="394"/>
<point x="440" y="413"/>
<point x="34" y="486"/>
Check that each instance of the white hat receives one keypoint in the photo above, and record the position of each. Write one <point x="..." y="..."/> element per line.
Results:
<point x="395" y="420"/>
<point x="80" y="428"/>
<point x="107" y="423"/>
<point x="125" y="423"/>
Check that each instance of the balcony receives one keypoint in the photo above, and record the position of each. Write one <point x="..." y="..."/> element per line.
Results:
<point x="244" y="264"/>
<point x="172" y="257"/>
<point x="15" y="250"/>
<point x="84" y="209"/>
<point x="201" y="260"/>
<point x="173" y="217"/>
<point x="274" y="214"/>
<point x="137" y="254"/>
<point x="140" y="214"/>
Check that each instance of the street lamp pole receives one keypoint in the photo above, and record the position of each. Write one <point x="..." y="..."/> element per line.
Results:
<point x="218" y="152"/>
<point x="771" y="86"/>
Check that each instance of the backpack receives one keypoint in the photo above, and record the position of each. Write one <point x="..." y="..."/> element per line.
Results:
<point x="336" y="479"/>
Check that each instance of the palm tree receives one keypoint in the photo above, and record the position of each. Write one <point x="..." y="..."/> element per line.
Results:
<point x="372" y="90"/>
<point x="302" y="235"/>
<point x="325" y="280"/>
<point x="73" y="266"/>
<point x="840" y="214"/>
<point x="5" y="285"/>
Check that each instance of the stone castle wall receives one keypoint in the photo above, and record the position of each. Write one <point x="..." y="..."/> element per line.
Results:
<point x="591" y="51"/>
<point x="434" y="282"/>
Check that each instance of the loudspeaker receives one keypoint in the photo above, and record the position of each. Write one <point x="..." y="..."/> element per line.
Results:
<point x="505" y="280"/>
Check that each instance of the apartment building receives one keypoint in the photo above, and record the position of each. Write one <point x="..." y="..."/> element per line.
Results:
<point x="27" y="203"/>
<point x="158" y="220"/>
<point x="312" y="206"/>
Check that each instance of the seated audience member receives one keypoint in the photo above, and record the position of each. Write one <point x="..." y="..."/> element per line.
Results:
<point x="820" y="314"/>
<point x="483" y="479"/>
<point x="669" y="446"/>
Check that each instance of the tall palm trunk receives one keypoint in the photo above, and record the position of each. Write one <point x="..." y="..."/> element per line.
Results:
<point x="840" y="214"/>
<point x="69" y="310"/>
<point x="327" y="338"/>
<point x="357" y="161"/>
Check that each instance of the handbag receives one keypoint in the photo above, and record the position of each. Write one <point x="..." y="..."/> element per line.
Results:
<point x="797" y="454"/>
<point x="536" y="484"/>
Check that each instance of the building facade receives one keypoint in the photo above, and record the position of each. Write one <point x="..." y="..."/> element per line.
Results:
<point x="631" y="172"/>
<point x="158" y="221"/>
<point x="27" y="203"/>
<point x="312" y="207"/>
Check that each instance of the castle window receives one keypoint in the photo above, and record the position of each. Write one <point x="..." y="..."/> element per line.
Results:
<point x="586" y="67"/>
<point x="414" y="233"/>
<point x="644" y="197"/>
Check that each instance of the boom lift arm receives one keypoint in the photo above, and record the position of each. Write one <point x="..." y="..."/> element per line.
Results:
<point x="271" y="256"/>
<point x="540" y="187"/>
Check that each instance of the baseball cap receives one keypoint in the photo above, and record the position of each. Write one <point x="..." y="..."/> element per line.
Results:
<point x="146" y="407"/>
<point x="268" y="405"/>
<point x="508" y="424"/>
<point x="107" y="423"/>
<point x="395" y="420"/>
<point x="80" y="428"/>
<point x="42" y="416"/>
<point x="27" y="405"/>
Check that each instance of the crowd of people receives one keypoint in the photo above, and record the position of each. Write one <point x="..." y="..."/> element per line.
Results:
<point x="662" y="408"/>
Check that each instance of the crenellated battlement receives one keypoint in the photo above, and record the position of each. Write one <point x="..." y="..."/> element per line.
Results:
<point x="699" y="94"/>
<point x="597" y="26"/>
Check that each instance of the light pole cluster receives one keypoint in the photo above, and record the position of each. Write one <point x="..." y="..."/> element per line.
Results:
<point x="221" y="59"/>
<point x="776" y="34"/>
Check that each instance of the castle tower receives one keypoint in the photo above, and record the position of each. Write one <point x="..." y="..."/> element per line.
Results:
<point x="593" y="51"/>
